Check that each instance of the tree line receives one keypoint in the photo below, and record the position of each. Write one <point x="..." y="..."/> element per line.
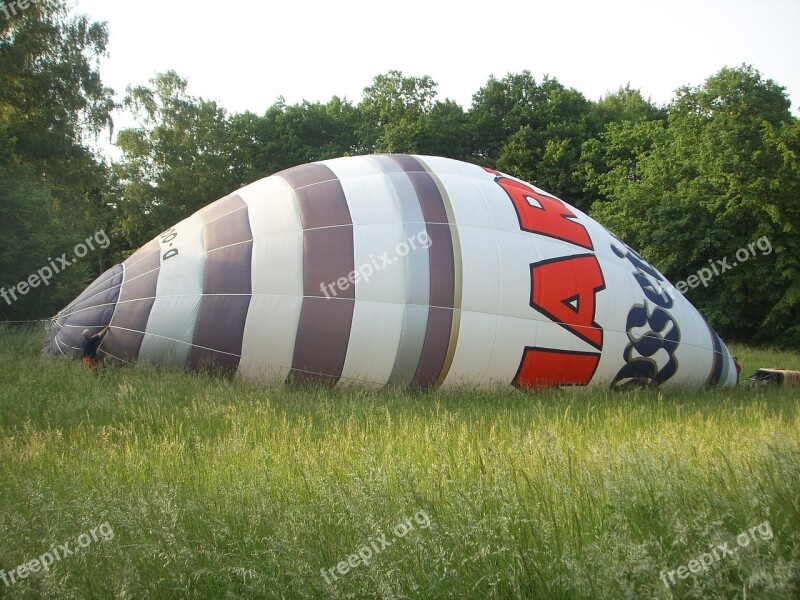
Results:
<point x="687" y="184"/>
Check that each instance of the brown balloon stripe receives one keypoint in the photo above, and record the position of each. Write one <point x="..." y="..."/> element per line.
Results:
<point x="136" y="298"/>
<point x="221" y="317"/>
<point x="439" y="344"/>
<point x="719" y="359"/>
<point x="323" y="332"/>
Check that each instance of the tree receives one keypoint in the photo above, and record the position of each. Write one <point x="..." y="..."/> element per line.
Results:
<point x="52" y="187"/>
<point x="626" y="104"/>
<point x="286" y="136"/>
<point x="445" y="131"/>
<point x="629" y="127"/>
<point x="393" y="112"/>
<point x="176" y="160"/>
<point x="722" y="174"/>
<point x="499" y="110"/>
<point x="612" y="160"/>
<point x="533" y="130"/>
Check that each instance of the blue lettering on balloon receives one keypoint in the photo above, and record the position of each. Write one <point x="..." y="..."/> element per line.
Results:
<point x="646" y="275"/>
<point x="663" y="333"/>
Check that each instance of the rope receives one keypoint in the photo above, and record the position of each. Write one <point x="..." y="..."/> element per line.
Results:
<point x="32" y="321"/>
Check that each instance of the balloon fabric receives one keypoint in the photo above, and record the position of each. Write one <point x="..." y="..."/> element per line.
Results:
<point x="397" y="270"/>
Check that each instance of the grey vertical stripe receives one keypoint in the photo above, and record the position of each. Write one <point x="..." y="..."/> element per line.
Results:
<point x="228" y="244"/>
<point x="323" y="332"/>
<point x="418" y="275"/>
<point x="433" y="360"/>
<point x="135" y="301"/>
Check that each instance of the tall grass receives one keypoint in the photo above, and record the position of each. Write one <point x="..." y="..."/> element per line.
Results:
<point x="217" y="488"/>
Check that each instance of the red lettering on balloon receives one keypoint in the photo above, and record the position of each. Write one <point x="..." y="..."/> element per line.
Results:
<point x="545" y="367"/>
<point x="545" y="215"/>
<point x="565" y="289"/>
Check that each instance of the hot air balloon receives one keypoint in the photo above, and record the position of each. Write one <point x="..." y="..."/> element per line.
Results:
<point x="397" y="270"/>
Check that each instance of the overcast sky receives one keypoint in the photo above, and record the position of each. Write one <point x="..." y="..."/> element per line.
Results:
<point x="246" y="53"/>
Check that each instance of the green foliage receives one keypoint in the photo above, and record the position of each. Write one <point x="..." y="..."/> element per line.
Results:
<point x="51" y="94"/>
<point x="394" y="110"/>
<point x="626" y="104"/>
<point x="52" y="188"/>
<point x="722" y="174"/>
<point x="630" y="124"/>
<point x="534" y="131"/>
<point x="286" y="136"/>
<point x="175" y="162"/>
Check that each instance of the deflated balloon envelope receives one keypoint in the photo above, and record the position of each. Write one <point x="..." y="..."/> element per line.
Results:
<point x="413" y="271"/>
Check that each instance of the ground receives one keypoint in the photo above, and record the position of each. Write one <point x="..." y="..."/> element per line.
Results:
<point x="144" y="483"/>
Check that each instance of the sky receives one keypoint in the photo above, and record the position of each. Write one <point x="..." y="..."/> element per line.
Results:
<point x="245" y="54"/>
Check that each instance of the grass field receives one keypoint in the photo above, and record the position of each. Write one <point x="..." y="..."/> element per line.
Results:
<point x="193" y="486"/>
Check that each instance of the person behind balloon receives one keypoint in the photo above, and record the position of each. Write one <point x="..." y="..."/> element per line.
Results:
<point x="89" y="347"/>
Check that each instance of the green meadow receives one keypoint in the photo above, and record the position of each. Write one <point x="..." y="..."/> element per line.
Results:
<point x="167" y="484"/>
